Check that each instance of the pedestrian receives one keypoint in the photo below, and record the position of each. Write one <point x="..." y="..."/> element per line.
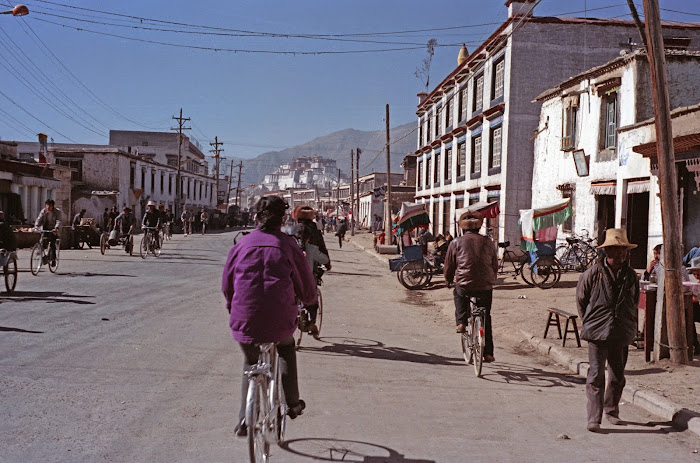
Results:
<point x="342" y="229"/>
<point x="265" y="275"/>
<point x="105" y="219"/>
<point x="185" y="218"/>
<point x="110" y="219"/>
<point x="606" y="297"/>
<point x="75" y="228"/>
<point x="471" y="264"/>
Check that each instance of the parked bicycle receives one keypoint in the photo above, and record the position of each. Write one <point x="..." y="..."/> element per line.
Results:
<point x="266" y="408"/>
<point x="43" y="253"/>
<point x="8" y="261"/>
<point x="150" y="242"/>
<point x="519" y="263"/>
<point x="474" y="337"/>
<point x="577" y="254"/>
<point x="303" y="320"/>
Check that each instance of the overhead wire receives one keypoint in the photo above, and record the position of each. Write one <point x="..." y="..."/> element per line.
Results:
<point x="22" y="127"/>
<point x="36" y="118"/>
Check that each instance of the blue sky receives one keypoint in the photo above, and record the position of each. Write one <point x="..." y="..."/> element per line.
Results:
<point x="254" y="102"/>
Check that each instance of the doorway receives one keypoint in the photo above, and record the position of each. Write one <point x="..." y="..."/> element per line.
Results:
<point x="638" y="227"/>
<point x="605" y="215"/>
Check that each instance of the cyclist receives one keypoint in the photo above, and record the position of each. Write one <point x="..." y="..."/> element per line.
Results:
<point x="185" y="217"/>
<point x="76" y="231"/>
<point x="169" y="218"/>
<point x="152" y="219"/>
<point x="265" y="274"/>
<point x="204" y="218"/>
<point x="471" y="263"/>
<point x="125" y="223"/>
<point x="316" y="258"/>
<point x="49" y="220"/>
<point x="305" y="216"/>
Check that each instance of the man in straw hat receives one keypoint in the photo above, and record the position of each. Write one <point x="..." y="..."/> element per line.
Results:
<point x="471" y="263"/>
<point x="694" y="269"/>
<point x="606" y="296"/>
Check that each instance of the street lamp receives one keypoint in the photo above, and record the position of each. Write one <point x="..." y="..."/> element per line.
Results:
<point x="18" y="10"/>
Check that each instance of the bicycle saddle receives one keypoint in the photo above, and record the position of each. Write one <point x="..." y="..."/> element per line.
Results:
<point x="504" y="244"/>
<point x="572" y="240"/>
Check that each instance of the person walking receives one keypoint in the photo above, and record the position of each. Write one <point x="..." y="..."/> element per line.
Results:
<point x="606" y="297"/>
<point x="75" y="229"/>
<point x="471" y="264"/>
<point x="342" y="229"/>
<point x="264" y="276"/>
<point x="185" y="218"/>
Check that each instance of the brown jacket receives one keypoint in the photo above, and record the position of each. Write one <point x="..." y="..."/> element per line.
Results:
<point x="471" y="262"/>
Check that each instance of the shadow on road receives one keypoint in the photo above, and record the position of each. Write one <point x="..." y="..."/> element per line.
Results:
<point x="373" y="275"/>
<point x="328" y="449"/>
<point x="44" y="296"/>
<point x="90" y="274"/>
<point x="18" y="330"/>
<point x="533" y="377"/>
<point x="366" y="348"/>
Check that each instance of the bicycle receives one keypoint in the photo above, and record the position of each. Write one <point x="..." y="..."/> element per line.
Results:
<point x="266" y="407"/>
<point x="545" y="272"/>
<point x="576" y="255"/>
<point x="150" y="242"/>
<point x="8" y="261"/>
<point x="303" y="322"/>
<point x="125" y="240"/>
<point x="166" y="232"/>
<point x="474" y="337"/>
<point x="45" y="254"/>
<point x="520" y="264"/>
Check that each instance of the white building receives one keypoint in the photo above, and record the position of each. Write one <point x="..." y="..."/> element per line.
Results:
<point x="590" y="127"/>
<point x="475" y="127"/>
<point x="304" y="172"/>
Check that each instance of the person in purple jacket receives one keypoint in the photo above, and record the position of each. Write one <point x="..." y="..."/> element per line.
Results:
<point x="265" y="276"/>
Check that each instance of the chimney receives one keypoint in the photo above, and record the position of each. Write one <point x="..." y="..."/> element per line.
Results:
<point x="520" y="7"/>
<point x="421" y="96"/>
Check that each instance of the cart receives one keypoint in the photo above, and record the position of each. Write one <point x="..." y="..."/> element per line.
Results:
<point x="414" y="270"/>
<point x="112" y="239"/>
<point x="539" y="228"/>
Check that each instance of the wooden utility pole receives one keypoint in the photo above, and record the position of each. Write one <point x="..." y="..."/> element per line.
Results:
<point x="228" y="193"/>
<point x="352" y="191"/>
<point x="668" y="182"/>
<point x="238" y="187"/>
<point x="388" y="182"/>
<point x="217" y="159"/>
<point x="178" y="187"/>
<point x="337" y="197"/>
<point x="357" y="179"/>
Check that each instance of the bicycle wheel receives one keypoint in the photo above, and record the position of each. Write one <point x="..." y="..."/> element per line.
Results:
<point x="413" y="275"/>
<point x="477" y="342"/>
<point x="563" y="253"/>
<point x="155" y="245"/>
<point x="131" y="245"/>
<point x="37" y="258"/>
<point x="10" y="270"/>
<point x="319" y="314"/>
<point x="144" y="246"/>
<point x="255" y="412"/>
<point x="281" y="409"/>
<point x="524" y="272"/>
<point x="103" y="244"/>
<point x="466" y="345"/>
<point x="53" y="264"/>
<point x="545" y="273"/>
<point x="302" y="325"/>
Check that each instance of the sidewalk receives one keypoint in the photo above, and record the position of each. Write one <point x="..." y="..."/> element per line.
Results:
<point x="520" y="314"/>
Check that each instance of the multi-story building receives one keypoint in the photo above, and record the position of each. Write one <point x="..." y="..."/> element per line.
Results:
<point x="475" y="128"/>
<point x="591" y="126"/>
<point x="304" y="172"/>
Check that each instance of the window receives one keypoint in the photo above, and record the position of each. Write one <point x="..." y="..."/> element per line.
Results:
<point x="153" y="181"/>
<point x="144" y="143"/>
<point x="448" y="164"/>
<point x="436" y="210"/>
<point x="498" y="78"/>
<point x="188" y="187"/>
<point x="420" y="134"/>
<point x="428" y="133"/>
<point x="495" y="148"/>
<point x="162" y="182"/>
<point x="459" y="204"/>
<point x="436" y="168"/>
<point x="476" y="156"/>
<point x="420" y="175"/>
<point x="132" y="175"/>
<point x="172" y="161"/>
<point x="445" y="217"/>
<point x="438" y="119"/>
<point x="568" y="192"/>
<point x="200" y="191"/>
<point x="463" y="104"/>
<point x="170" y="184"/>
<point x="143" y="179"/>
<point x="479" y="93"/>
<point x="611" y="121"/>
<point x="448" y="115"/>
<point x="568" y="128"/>
<point x="77" y="164"/>
<point x="461" y="159"/>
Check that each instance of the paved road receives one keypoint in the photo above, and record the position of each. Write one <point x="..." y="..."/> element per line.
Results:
<point x="124" y="360"/>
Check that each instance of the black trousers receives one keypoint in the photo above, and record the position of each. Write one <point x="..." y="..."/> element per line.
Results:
<point x="288" y="364"/>
<point x="602" y="397"/>
<point x="483" y="299"/>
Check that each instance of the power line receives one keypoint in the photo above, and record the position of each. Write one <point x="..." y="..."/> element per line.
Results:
<point x="36" y="118"/>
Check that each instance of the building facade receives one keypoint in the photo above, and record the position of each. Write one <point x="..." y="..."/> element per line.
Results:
<point x="475" y="128"/>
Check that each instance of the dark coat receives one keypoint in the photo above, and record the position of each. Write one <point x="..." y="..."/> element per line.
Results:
<point x="472" y="262"/>
<point x="608" y="307"/>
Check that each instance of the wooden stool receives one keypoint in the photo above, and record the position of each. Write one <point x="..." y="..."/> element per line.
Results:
<point x="553" y="320"/>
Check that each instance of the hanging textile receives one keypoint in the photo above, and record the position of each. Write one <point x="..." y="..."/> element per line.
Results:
<point x="604" y="187"/>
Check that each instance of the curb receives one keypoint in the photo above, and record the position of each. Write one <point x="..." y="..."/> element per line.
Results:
<point x="682" y="418"/>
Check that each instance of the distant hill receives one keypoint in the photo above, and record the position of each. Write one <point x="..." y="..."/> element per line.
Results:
<point x="337" y="145"/>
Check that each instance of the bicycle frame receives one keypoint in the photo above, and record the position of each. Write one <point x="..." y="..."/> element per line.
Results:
<point x="267" y="374"/>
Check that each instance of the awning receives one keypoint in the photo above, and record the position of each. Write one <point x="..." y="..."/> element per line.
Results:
<point x="604" y="187"/>
<point x="682" y="144"/>
<point x="638" y="186"/>
<point x="104" y="193"/>
<point x="541" y="224"/>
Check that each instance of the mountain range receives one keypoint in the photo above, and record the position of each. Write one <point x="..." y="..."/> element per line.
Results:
<point x="337" y="145"/>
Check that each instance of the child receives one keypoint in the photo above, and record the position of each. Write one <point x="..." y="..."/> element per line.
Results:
<point x="316" y="258"/>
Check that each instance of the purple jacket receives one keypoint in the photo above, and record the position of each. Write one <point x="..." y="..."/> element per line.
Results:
<point x="265" y="274"/>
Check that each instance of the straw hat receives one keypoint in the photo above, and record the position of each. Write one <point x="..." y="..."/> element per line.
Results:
<point x="616" y="237"/>
<point x="471" y="220"/>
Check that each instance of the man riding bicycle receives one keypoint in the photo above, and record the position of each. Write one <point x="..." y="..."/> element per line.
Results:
<point x="125" y="223"/>
<point x="204" y="218"/>
<point x="151" y="219"/>
<point x="49" y="222"/>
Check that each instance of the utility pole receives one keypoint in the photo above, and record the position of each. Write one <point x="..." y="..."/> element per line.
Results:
<point x="337" y="196"/>
<point x="388" y="181"/>
<point x="238" y="187"/>
<point x="668" y="182"/>
<point x="178" y="187"/>
<point x="352" y="192"/>
<point x="228" y="192"/>
<point x="357" y="179"/>
<point x="217" y="159"/>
